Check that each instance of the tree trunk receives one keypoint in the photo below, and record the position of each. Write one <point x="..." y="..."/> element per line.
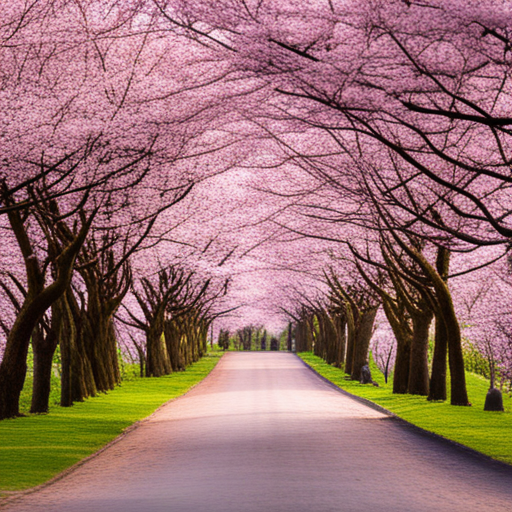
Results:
<point x="39" y="298"/>
<point x="331" y="339"/>
<point x="341" y="340"/>
<point x="351" y="340"/>
<point x="44" y="348"/>
<point x="418" y="368"/>
<point x="437" y="388"/>
<point x="77" y="379"/>
<point x="364" y="331"/>
<point x="445" y="309"/>
<point x="100" y="342"/>
<point x="158" y="362"/>
<point x="402" y="365"/>
<point x="400" y="324"/>
<point x="67" y="336"/>
<point x="458" y="390"/>
<point x="13" y="368"/>
<point x="320" y="340"/>
<point x="172" y="338"/>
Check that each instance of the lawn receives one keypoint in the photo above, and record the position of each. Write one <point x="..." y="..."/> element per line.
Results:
<point x="35" y="448"/>
<point x="486" y="432"/>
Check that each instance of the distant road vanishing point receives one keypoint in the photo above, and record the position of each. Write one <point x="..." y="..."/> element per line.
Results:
<point x="264" y="433"/>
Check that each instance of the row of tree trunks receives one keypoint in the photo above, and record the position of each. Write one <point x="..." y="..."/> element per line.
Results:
<point x="77" y="377"/>
<point x="183" y="341"/>
<point x="304" y="331"/>
<point x="437" y="389"/>
<point x="173" y="334"/>
<point x="44" y="344"/>
<point x="421" y="293"/>
<point x="340" y="332"/>
<point x="39" y="296"/>
<point x="330" y="339"/>
<point x="451" y="331"/>
<point x="357" y="308"/>
<point x="89" y="348"/>
<point x="361" y="336"/>
<point x="396" y="314"/>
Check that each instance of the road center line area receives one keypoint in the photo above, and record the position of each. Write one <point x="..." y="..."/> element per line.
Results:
<point x="264" y="433"/>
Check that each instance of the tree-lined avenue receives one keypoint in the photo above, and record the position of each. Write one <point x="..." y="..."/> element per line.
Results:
<point x="263" y="432"/>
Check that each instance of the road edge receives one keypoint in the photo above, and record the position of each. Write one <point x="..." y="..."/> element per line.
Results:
<point x="9" y="497"/>
<point x="498" y="464"/>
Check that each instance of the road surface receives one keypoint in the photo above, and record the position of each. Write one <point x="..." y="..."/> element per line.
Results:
<point x="263" y="433"/>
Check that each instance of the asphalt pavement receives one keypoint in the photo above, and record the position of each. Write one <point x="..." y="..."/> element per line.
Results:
<point x="264" y="433"/>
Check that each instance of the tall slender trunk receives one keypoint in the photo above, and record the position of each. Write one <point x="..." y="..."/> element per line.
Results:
<point x="400" y="324"/>
<point x="458" y="389"/>
<point x="402" y="365"/>
<point x="351" y="340"/>
<point x="341" y="339"/>
<point x="319" y="348"/>
<point x="363" y="336"/>
<point x="437" y="388"/>
<point x="43" y="346"/>
<point x="445" y="309"/>
<point x="77" y="378"/>
<point x="418" y="367"/>
<point x="331" y="339"/>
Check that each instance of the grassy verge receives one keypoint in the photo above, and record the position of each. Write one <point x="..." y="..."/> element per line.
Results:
<point x="35" y="448"/>
<point x="486" y="432"/>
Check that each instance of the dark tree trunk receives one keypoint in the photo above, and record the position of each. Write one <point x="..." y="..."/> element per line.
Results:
<point x="445" y="309"/>
<point x="304" y="334"/>
<point x="319" y="346"/>
<point x="43" y="345"/>
<point x="458" y="390"/>
<point x="103" y="355"/>
<point x="37" y="300"/>
<point x="14" y="364"/>
<point x="13" y="368"/>
<point x="263" y="345"/>
<point x="101" y="343"/>
<point x="204" y="339"/>
<point x="400" y="324"/>
<point x="351" y="341"/>
<point x="331" y="339"/>
<point x="172" y="341"/>
<point x="418" y="368"/>
<point x="341" y="339"/>
<point x="402" y="364"/>
<point x="67" y="336"/>
<point x="364" y="330"/>
<point x="77" y="379"/>
<point x="158" y="362"/>
<point x="437" y="389"/>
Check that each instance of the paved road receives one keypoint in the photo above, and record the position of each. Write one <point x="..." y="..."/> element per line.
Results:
<point x="264" y="434"/>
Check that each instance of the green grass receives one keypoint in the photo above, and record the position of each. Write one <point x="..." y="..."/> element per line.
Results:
<point x="487" y="432"/>
<point x="35" y="448"/>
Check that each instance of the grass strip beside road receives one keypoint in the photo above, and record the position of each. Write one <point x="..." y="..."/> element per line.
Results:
<point x="35" y="448"/>
<point x="487" y="432"/>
